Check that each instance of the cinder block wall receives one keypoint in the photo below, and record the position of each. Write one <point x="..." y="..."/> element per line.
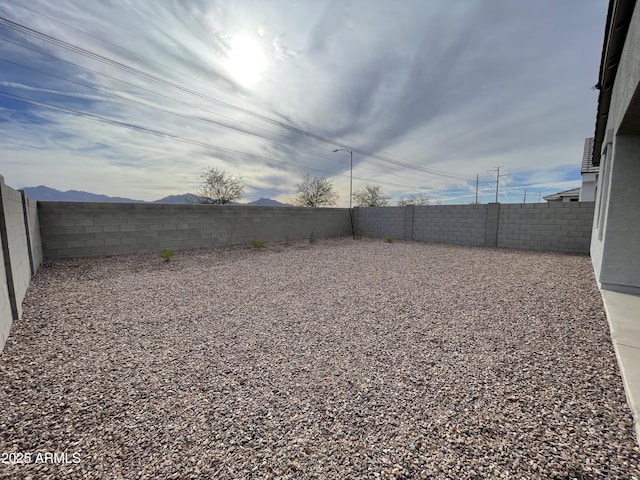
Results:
<point x="72" y="229"/>
<point x="379" y="221"/>
<point x="457" y="224"/>
<point x="562" y="227"/>
<point x="20" y="257"/>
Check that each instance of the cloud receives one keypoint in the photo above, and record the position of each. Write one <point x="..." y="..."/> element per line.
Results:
<point x="13" y="85"/>
<point x="280" y="50"/>
<point x="457" y="88"/>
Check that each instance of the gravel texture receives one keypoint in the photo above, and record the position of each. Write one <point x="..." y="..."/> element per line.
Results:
<point x="341" y="359"/>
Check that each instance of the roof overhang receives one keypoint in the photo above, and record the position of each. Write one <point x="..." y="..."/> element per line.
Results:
<point x="615" y="34"/>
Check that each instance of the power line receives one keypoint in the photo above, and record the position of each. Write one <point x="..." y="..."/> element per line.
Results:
<point x="130" y="52"/>
<point x="218" y="124"/>
<point x="166" y="135"/>
<point x="271" y="132"/>
<point x="154" y="78"/>
<point x="367" y="154"/>
<point x="200" y="120"/>
<point x="188" y="117"/>
<point x="151" y="131"/>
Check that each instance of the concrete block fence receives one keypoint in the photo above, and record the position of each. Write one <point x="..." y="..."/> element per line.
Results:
<point x="555" y="226"/>
<point x="21" y="253"/>
<point x="71" y="229"/>
<point x="561" y="227"/>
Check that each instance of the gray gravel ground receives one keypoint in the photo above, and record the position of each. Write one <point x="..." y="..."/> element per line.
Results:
<point x="343" y="359"/>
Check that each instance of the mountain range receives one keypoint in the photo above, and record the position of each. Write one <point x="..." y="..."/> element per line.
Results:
<point x="45" y="193"/>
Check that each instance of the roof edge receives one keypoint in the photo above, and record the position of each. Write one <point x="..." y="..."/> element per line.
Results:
<point x="618" y="20"/>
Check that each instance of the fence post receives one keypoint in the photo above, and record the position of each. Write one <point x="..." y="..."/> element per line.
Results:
<point x="25" y="210"/>
<point x="491" y="225"/>
<point x="356" y="226"/>
<point x="409" y="217"/>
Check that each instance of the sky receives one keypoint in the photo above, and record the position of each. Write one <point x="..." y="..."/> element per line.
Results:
<point x="137" y="98"/>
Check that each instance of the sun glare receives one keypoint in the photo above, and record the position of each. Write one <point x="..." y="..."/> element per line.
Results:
<point x="246" y="60"/>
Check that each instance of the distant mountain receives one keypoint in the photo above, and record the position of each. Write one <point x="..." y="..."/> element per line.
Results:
<point x="51" y="194"/>
<point x="267" y="202"/>
<point x="190" y="198"/>
<point x="179" y="199"/>
<point x="48" y="194"/>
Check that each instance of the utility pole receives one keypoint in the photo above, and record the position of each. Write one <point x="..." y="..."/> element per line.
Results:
<point x="477" y="178"/>
<point x="497" y="170"/>
<point x="525" y="196"/>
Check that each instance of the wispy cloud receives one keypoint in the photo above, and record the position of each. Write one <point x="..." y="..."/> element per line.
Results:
<point x="458" y="88"/>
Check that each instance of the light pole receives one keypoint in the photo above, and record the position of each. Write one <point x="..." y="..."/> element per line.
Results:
<point x="350" y="176"/>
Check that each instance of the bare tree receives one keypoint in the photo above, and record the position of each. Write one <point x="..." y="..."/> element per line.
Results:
<point x="219" y="187"/>
<point x="371" y="196"/>
<point x="418" y="199"/>
<point x="315" y="192"/>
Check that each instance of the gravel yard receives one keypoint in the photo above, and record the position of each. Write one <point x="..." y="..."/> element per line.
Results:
<point x="341" y="359"/>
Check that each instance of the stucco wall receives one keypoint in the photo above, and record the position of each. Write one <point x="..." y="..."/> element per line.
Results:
<point x="554" y="226"/>
<point x="588" y="188"/>
<point x="619" y="265"/>
<point x="71" y="229"/>
<point x="627" y="76"/>
<point x="616" y="230"/>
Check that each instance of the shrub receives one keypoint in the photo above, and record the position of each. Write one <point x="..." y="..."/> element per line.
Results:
<point x="166" y="255"/>
<point x="388" y="240"/>
<point x="257" y="244"/>
<point x="312" y="238"/>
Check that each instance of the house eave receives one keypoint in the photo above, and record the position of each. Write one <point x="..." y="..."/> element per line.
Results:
<point x="618" y="20"/>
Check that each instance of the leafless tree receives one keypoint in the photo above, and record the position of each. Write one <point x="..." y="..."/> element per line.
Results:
<point x="219" y="187"/>
<point x="418" y="199"/>
<point x="315" y="192"/>
<point x="371" y="196"/>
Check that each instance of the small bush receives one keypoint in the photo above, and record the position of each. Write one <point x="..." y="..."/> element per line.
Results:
<point x="257" y="245"/>
<point x="388" y="240"/>
<point x="166" y="255"/>
<point x="312" y="238"/>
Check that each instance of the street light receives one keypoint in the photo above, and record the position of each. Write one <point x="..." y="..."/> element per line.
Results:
<point x="350" y="176"/>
